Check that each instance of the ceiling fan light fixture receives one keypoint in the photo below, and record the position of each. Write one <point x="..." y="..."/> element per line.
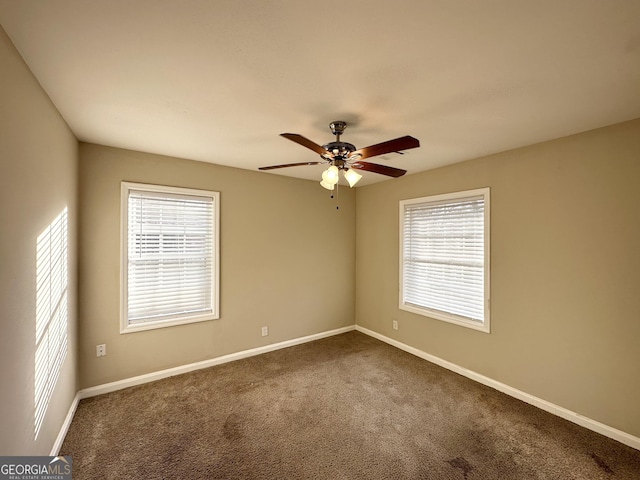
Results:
<point x="328" y="186"/>
<point x="331" y="175"/>
<point x="352" y="177"/>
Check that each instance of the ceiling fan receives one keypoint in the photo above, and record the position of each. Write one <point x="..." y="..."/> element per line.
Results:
<point x="343" y="156"/>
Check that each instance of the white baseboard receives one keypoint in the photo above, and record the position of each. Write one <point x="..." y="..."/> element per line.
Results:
<point x="562" y="412"/>
<point x="65" y="426"/>
<point x="151" y="377"/>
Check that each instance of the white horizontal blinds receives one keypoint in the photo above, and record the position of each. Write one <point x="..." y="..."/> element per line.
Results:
<point x="170" y="256"/>
<point x="444" y="256"/>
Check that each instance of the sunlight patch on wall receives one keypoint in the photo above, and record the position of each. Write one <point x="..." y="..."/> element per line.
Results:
<point x="51" y="312"/>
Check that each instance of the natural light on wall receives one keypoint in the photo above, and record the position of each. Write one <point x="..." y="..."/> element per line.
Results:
<point x="51" y="312"/>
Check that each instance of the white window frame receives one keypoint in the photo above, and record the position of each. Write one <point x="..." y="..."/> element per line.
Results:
<point x="482" y="324"/>
<point x="125" y="326"/>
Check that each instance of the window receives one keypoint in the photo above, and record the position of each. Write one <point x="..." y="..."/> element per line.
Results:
<point x="170" y="256"/>
<point x="444" y="257"/>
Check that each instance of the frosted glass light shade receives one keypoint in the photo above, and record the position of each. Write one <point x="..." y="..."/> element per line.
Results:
<point x="352" y="177"/>
<point x="330" y="175"/>
<point x="325" y="184"/>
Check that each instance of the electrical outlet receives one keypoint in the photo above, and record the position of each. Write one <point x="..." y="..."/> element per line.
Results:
<point x="265" y="331"/>
<point x="101" y="350"/>
<point x="394" y="324"/>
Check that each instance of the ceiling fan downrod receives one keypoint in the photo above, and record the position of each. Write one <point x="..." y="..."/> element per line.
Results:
<point x="337" y="128"/>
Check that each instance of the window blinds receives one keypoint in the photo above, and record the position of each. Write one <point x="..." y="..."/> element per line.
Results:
<point x="170" y="256"/>
<point x="443" y="256"/>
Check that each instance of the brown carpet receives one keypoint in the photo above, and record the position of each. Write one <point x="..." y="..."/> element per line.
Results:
<point x="345" y="407"/>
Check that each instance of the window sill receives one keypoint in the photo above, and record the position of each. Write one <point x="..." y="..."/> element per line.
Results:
<point x="447" y="317"/>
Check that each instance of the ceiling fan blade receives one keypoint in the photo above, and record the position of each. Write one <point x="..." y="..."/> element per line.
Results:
<point x="305" y="142"/>
<point x="290" y="165"/>
<point x="381" y="169"/>
<point x="395" y="145"/>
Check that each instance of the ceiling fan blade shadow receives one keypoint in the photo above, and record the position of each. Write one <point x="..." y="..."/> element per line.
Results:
<point x="381" y="169"/>
<point x="272" y="167"/>
<point x="305" y="142"/>
<point x="395" y="145"/>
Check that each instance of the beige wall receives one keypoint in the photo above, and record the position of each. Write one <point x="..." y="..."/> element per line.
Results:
<point x="565" y="271"/>
<point x="287" y="262"/>
<point x="38" y="177"/>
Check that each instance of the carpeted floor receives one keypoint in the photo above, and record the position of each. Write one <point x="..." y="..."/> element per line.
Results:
<point x="345" y="407"/>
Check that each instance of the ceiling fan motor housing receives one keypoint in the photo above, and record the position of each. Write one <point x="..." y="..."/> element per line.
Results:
<point x="338" y="150"/>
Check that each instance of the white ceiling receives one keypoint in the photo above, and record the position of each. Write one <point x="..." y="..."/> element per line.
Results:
<point x="217" y="81"/>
